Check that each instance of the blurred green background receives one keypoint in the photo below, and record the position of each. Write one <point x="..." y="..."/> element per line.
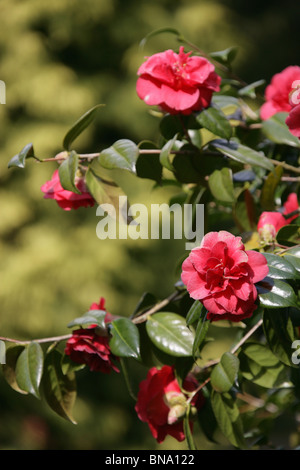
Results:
<point x="58" y="59"/>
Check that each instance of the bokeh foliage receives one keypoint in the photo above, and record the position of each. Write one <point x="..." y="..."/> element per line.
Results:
<point x="59" y="59"/>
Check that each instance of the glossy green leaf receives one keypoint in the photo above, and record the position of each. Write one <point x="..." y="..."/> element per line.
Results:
<point x="194" y="312"/>
<point x="224" y="374"/>
<point x="59" y="388"/>
<point x="165" y="153"/>
<point x="79" y="126"/>
<point x="292" y="255"/>
<point x="122" y="155"/>
<point x="29" y="368"/>
<point x="267" y="197"/>
<point x="289" y="235"/>
<point x="67" y="172"/>
<point x="214" y="120"/>
<point x="9" y="368"/>
<point x="280" y="267"/>
<point x="221" y="185"/>
<point x="259" y="365"/>
<point x="169" y="333"/>
<point x="19" y="160"/>
<point x="91" y="317"/>
<point x="274" y="293"/>
<point x="280" y="334"/>
<point x="277" y="131"/>
<point x="125" y="341"/>
<point x="201" y="331"/>
<point x="242" y="154"/>
<point x="250" y="90"/>
<point x="228" y="418"/>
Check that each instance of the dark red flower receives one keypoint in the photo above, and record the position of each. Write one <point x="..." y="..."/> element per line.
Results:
<point x="222" y="275"/>
<point x="67" y="200"/>
<point x="162" y="404"/>
<point x="178" y="83"/>
<point x="90" y="346"/>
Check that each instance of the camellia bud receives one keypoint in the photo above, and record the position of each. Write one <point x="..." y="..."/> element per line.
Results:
<point x="178" y="405"/>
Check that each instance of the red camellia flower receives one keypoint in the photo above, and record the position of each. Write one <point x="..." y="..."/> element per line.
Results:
<point x="67" y="200"/>
<point x="87" y="346"/>
<point x="277" y="93"/>
<point x="178" y="83"/>
<point x="270" y="222"/>
<point x="162" y="404"/>
<point x="222" y="275"/>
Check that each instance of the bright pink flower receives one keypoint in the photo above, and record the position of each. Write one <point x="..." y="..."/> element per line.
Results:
<point x="67" y="200"/>
<point x="270" y="222"/>
<point x="178" y="83"/>
<point x="222" y="275"/>
<point x="293" y="121"/>
<point x="87" y="346"/>
<point x="277" y="94"/>
<point x="162" y="404"/>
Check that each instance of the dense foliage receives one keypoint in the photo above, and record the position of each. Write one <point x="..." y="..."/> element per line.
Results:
<point x="218" y="148"/>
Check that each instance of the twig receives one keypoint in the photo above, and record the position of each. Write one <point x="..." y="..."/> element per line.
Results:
<point x="40" y="340"/>
<point x="144" y="316"/>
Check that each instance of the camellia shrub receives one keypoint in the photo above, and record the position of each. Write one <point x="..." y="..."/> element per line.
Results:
<point x="231" y="147"/>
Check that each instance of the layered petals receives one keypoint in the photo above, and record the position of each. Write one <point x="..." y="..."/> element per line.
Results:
<point x="222" y="275"/>
<point x="177" y="83"/>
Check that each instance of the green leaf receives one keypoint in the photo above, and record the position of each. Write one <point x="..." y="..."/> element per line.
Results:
<point x="288" y="235"/>
<point x="67" y="172"/>
<point x="122" y="155"/>
<point x="106" y="191"/>
<point x="214" y="120"/>
<point x="269" y="187"/>
<point x="228" y="418"/>
<point x="194" y="313"/>
<point x="171" y="125"/>
<point x="29" y="368"/>
<point x="125" y="341"/>
<point x="242" y="154"/>
<point x="20" y="159"/>
<point x="250" y="90"/>
<point x="277" y="131"/>
<point x="274" y="293"/>
<point x="221" y="185"/>
<point x="224" y="374"/>
<point x="148" y="165"/>
<point x="260" y="366"/>
<point x="225" y="56"/>
<point x="279" y="331"/>
<point x="9" y="368"/>
<point x="188" y="167"/>
<point x="91" y="317"/>
<point x="59" y="388"/>
<point x="68" y="366"/>
<point x="280" y="268"/>
<point x="292" y="255"/>
<point x="80" y="125"/>
<point x="165" y="153"/>
<point x="169" y="333"/>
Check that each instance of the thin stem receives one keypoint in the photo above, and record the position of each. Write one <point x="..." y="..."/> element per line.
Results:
<point x="144" y="317"/>
<point x="40" y="340"/>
